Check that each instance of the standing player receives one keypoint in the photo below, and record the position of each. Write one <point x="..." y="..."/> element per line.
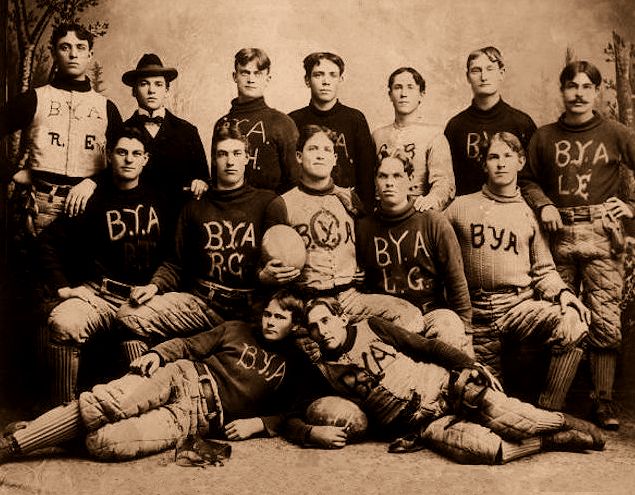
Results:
<point x="323" y="74"/>
<point x="67" y="123"/>
<point x="469" y="130"/>
<point x="514" y="286"/>
<point x="414" y="255"/>
<point x="426" y="146"/>
<point x="94" y="261"/>
<point x="573" y="184"/>
<point x="382" y="368"/>
<point x="232" y="380"/>
<point x="271" y="134"/>
<point x="177" y="158"/>
<point x="215" y="263"/>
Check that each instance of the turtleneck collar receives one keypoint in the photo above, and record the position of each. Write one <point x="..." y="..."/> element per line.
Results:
<point x="67" y="84"/>
<point x="491" y="114"/>
<point x="249" y="105"/>
<point x="226" y="194"/>
<point x="324" y="113"/>
<point x="595" y="121"/>
<point x="516" y="198"/>
<point x="397" y="216"/>
<point x="317" y="192"/>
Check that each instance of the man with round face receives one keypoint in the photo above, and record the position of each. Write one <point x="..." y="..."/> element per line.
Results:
<point x="574" y="184"/>
<point x="427" y="148"/>
<point x="324" y="73"/>
<point x="212" y="275"/>
<point x="242" y="375"/>
<point x="93" y="262"/>
<point x="515" y="289"/>
<point x="468" y="131"/>
<point x="271" y="134"/>
<point x="177" y="165"/>
<point x="387" y="371"/>
<point x="67" y="143"/>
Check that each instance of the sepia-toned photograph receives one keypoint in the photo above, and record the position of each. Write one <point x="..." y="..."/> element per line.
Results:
<point x="337" y="247"/>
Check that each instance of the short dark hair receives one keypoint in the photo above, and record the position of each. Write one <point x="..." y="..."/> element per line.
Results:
<point x="290" y="301"/>
<point x="490" y="52"/>
<point x="246" y="55"/>
<point x="126" y="132"/>
<point x="63" y="29"/>
<point x="509" y="139"/>
<point x="415" y="75"/>
<point x="330" y="303"/>
<point x="580" y="66"/>
<point x="312" y="59"/>
<point x="310" y="130"/>
<point x="228" y="130"/>
<point x="398" y="153"/>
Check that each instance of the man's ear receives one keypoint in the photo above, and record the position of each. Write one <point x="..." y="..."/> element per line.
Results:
<point x="344" y="318"/>
<point x="235" y="77"/>
<point x="146" y="157"/>
<point x="522" y="161"/>
<point x="307" y="81"/>
<point x="298" y="156"/>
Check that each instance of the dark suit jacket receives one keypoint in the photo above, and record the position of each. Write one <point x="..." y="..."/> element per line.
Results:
<point x="177" y="157"/>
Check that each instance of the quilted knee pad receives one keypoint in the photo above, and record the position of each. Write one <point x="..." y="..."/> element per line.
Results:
<point x="487" y="347"/>
<point x="462" y="441"/>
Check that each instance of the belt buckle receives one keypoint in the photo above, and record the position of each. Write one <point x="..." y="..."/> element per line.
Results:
<point x="115" y="288"/>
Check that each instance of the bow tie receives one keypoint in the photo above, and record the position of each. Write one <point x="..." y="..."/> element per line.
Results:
<point x="146" y="119"/>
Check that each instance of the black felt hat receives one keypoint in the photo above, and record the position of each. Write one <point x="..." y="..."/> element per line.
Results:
<point x="149" y="65"/>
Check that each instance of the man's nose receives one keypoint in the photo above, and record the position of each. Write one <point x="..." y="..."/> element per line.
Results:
<point x="73" y="52"/>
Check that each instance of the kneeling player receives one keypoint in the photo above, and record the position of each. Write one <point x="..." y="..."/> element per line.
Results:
<point x="220" y="382"/>
<point x="386" y="371"/>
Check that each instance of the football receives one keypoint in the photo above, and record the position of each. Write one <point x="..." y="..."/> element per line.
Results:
<point x="284" y="243"/>
<point x="336" y="411"/>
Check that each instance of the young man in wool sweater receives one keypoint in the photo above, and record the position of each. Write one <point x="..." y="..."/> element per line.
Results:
<point x="271" y="134"/>
<point x="231" y="381"/>
<point x="468" y="131"/>
<point x="94" y="261"/>
<point x="323" y="214"/>
<point x="385" y="370"/>
<point x="574" y="184"/>
<point x="414" y="255"/>
<point x="324" y="72"/>
<point x="426" y="146"/>
<point x="177" y="166"/>
<point x="514" y="286"/>
<point x="67" y="123"/>
<point x="212" y="274"/>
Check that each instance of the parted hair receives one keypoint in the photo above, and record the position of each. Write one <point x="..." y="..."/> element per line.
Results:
<point x="421" y="82"/>
<point x="310" y="130"/>
<point x="330" y="303"/>
<point x="490" y="52"/>
<point x="312" y="59"/>
<point x="246" y="55"/>
<point x="509" y="139"/>
<point x="580" y="66"/>
<point x="126" y="132"/>
<point x="63" y="29"/>
<point x="228" y="130"/>
<point x="398" y="153"/>
<point x="292" y="302"/>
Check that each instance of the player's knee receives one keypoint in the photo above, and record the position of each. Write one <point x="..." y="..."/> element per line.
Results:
<point x="446" y="326"/>
<point x="66" y="325"/>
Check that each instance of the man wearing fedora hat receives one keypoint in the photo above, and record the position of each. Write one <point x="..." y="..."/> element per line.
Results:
<point x="177" y="158"/>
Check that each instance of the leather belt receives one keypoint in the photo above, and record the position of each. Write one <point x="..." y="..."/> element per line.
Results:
<point x="576" y="214"/>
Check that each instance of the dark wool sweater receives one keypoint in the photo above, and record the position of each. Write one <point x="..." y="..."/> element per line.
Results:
<point x="577" y="165"/>
<point x="355" y="150"/>
<point x="253" y="375"/>
<point x="272" y="140"/>
<point x="218" y="239"/>
<point x="414" y="255"/>
<point x="119" y="236"/>
<point x="469" y="130"/>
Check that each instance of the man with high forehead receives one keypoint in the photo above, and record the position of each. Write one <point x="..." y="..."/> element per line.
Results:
<point x="67" y="123"/>
<point x="574" y="184"/>
<point x="212" y="275"/>
<point x="426" y="146"/>
<point x="468" y="131"/>
<point x="271" y="134"/>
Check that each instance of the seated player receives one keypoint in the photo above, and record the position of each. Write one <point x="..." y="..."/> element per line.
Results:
<point x="213" y="272"/>
<point x="92" y="263"/>
<point x="323" y="214"/>
<point x="514" y="286"/>
<point x="383" y="369"/>
<point x="414" y="255"/>
<point x="223" y="382"/>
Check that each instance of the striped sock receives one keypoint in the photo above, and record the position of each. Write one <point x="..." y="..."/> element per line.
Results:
<point x="603" y="363"/>
<point x="562" y="370"/>
<point x="64" y="362"/>
<point x="52" y="428"/>
<point x="132" y="349"/>
<point x="514" y="450"/>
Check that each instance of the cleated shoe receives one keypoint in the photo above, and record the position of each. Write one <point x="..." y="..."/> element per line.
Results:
<point x="7" y="449"/>
<point x="407" y="444"/>
<point x="606" y="415"/>
<point x="573" y="423"/>
<point x="568" y="441"/>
